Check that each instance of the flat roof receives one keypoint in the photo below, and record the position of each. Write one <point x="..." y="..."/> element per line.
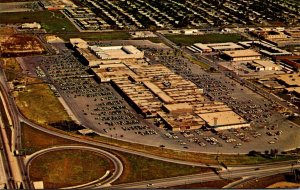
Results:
<point x="178" y="106"/>
<point x="218" y="46"/>
<point x="290" y="79"/>
<point x="156" y="90"/>
<point x="265" y="63"/>
<point x="242" y="53"/>
<point x="223" y="118"/>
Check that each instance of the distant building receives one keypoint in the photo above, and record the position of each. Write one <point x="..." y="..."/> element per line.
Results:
<point x="206" y="48"/>
<point x="242" y="55"/>
<point x="117" y="52"/>
<point x="33" y="25"/>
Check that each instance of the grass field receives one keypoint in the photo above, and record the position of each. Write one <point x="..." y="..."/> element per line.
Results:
<point x="68" y="168"/>
<point x="40" y="141"/>
<point x="52" y="21"/>
<point x="39" y="104"/>
<point x="186" y="40"/>
<point x="138" y="168"/>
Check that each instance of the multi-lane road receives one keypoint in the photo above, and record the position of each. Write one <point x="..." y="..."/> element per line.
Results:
<point x="199" y="178"/>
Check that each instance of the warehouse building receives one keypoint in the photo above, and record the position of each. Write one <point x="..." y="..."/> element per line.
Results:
<point x="242" y="55"/>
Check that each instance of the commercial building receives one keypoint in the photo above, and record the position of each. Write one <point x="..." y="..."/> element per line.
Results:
<point x="242" y="55"/>
<point x="116" y="52"/>
<point x="224" y="120"/>
<point x="206" y="48"/>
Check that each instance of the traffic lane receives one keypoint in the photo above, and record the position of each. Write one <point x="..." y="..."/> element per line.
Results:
<point x="198" y="178"/>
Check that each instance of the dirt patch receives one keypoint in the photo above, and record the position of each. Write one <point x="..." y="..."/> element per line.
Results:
<point x="284" y="185"/>
<point x="19" y="45"/>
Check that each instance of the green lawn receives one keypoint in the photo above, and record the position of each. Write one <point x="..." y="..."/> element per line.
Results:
<point x="52" y="21"/>
<point x="185" y="40"/>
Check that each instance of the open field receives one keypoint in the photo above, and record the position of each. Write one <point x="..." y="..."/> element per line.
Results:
<point x="38" y="103"/>
<point x="186" y="40"/>
<point x="138" y="168"/>
<point x="210" y="184"/>
<point x="12" y="69"/>
<point x="68" y="167"/>
<point x="52" y="21"/>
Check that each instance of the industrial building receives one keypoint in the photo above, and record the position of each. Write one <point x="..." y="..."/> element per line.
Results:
<point x="289" y="63"/>
<point x="266" y="48"/>
<point x="263" y="65"/>
<point x="242" y="55"/>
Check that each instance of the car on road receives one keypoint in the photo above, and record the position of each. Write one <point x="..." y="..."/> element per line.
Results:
<point x="149" y="184"/>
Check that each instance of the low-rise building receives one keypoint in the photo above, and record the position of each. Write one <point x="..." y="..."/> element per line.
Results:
<point x="33" y="25"/>
<point x="242" y="55"/>
<point x="263" y="65"/>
